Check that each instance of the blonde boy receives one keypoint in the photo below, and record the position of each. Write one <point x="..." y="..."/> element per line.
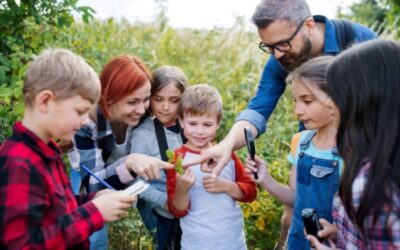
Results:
<point x="37" y="207"/>
<point x="210" y="216"/>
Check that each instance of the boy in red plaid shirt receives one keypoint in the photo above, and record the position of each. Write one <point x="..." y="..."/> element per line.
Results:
<point x="37" y="207"/>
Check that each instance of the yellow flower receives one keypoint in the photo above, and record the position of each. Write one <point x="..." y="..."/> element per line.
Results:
<point x="255" y="206"/>
<point x="246" y="212"/>
<point x="260" y="223"/>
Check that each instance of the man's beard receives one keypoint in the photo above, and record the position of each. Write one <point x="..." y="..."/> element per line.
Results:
<point x="290" y="61"/>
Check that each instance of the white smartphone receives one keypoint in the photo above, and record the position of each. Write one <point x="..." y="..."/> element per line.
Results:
<point x="136" y="188"/>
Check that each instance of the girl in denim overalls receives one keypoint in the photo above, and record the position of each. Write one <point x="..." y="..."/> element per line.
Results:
<point x="314" y="178"/>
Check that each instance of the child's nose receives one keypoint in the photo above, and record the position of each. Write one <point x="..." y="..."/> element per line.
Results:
<point x="85" y="120"/>
<point x="298" y="110"/>
<point x="165" y="106"/>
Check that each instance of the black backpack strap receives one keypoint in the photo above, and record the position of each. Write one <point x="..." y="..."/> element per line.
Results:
<point x="161" y="139"/>
<point x="345" y="34"/>
<point x="184" y="140"/>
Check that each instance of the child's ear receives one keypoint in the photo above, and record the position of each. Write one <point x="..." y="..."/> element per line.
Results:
<point x="42" y="100"/>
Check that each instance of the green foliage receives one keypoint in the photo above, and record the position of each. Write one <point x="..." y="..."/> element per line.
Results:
<point x="382" y="15"/>
<point x="129" y="233"/>
<point x="26" y="27"/>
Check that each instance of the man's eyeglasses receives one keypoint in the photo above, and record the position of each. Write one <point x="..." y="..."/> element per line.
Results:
<point x="282" y="46"/>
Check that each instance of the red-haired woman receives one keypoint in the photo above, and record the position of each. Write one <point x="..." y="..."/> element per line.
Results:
<point x="103" y="144"/>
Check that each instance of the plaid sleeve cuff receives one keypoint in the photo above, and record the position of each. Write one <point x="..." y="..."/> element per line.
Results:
<point x="96" y="219"/>
<point x="83" y="198"/>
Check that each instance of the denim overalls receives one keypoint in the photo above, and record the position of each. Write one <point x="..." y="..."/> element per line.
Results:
<point x="316" y="184"/>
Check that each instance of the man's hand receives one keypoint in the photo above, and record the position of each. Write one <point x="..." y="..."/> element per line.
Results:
<point x="213" y="159"/>
<point x="146" y="166"/>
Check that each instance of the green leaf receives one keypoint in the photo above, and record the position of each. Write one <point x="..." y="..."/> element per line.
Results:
<point x="178" y="165"/>
<point x="4" y="60"/>
<point x="171" y="155"/>
<point x="2" y="75"/>
<point x="178" y="161"/>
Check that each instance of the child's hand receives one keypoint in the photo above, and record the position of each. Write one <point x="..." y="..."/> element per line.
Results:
<point x="319" y="246"/>
<point x="215" y="184"/>
<point x="258" y="165"/>
<point x="328" y="232"/>
<point x="184" y="182"/>
<point x="102" y="192"/>
<point x="112" y="204"/>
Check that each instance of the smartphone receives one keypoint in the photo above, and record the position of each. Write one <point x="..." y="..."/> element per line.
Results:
<point x="136" y="188"/>
<point x="311" y="222"/>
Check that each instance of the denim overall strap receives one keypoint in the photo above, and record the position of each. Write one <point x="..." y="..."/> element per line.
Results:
<point x="306" y="141"/>
<point x="317" y="181"/>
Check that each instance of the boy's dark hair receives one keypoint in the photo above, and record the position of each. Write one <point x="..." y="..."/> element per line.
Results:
<point x="364" y="83"/>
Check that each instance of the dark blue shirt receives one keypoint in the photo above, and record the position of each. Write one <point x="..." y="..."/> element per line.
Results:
<point x="272" y="83"/>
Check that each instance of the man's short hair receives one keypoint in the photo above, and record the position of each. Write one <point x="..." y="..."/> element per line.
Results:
<point x="267" y="11"/>
<point x="201" y="99"/>
<point x="63" y="73"/>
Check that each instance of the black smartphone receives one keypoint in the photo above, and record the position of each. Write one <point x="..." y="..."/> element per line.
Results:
<point x="311" y="222"/>
<point x="251" y="148"/>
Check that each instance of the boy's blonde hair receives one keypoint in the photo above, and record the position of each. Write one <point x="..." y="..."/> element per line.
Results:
<point x="62" y="72"/>
<point x="201" y="99"/>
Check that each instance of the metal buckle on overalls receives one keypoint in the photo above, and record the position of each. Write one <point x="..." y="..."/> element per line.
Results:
<point x="320" y="171"/>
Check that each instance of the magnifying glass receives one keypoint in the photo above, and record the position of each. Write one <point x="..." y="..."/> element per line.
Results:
<point x="250" y="145"/>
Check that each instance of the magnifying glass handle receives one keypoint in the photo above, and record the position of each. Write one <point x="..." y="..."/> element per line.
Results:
<point x="256" y="175"/>
<point x="250" y="146"/>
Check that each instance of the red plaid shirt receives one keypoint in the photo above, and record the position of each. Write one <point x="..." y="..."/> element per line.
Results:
<point x="37" y="207"/>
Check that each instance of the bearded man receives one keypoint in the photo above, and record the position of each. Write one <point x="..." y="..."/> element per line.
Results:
<point x="291" y="35"/>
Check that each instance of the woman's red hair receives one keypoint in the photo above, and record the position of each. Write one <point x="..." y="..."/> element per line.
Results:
<point x="119" y="78"/>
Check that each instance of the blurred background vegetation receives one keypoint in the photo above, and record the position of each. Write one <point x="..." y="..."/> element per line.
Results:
<point x="225" y="58"/>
